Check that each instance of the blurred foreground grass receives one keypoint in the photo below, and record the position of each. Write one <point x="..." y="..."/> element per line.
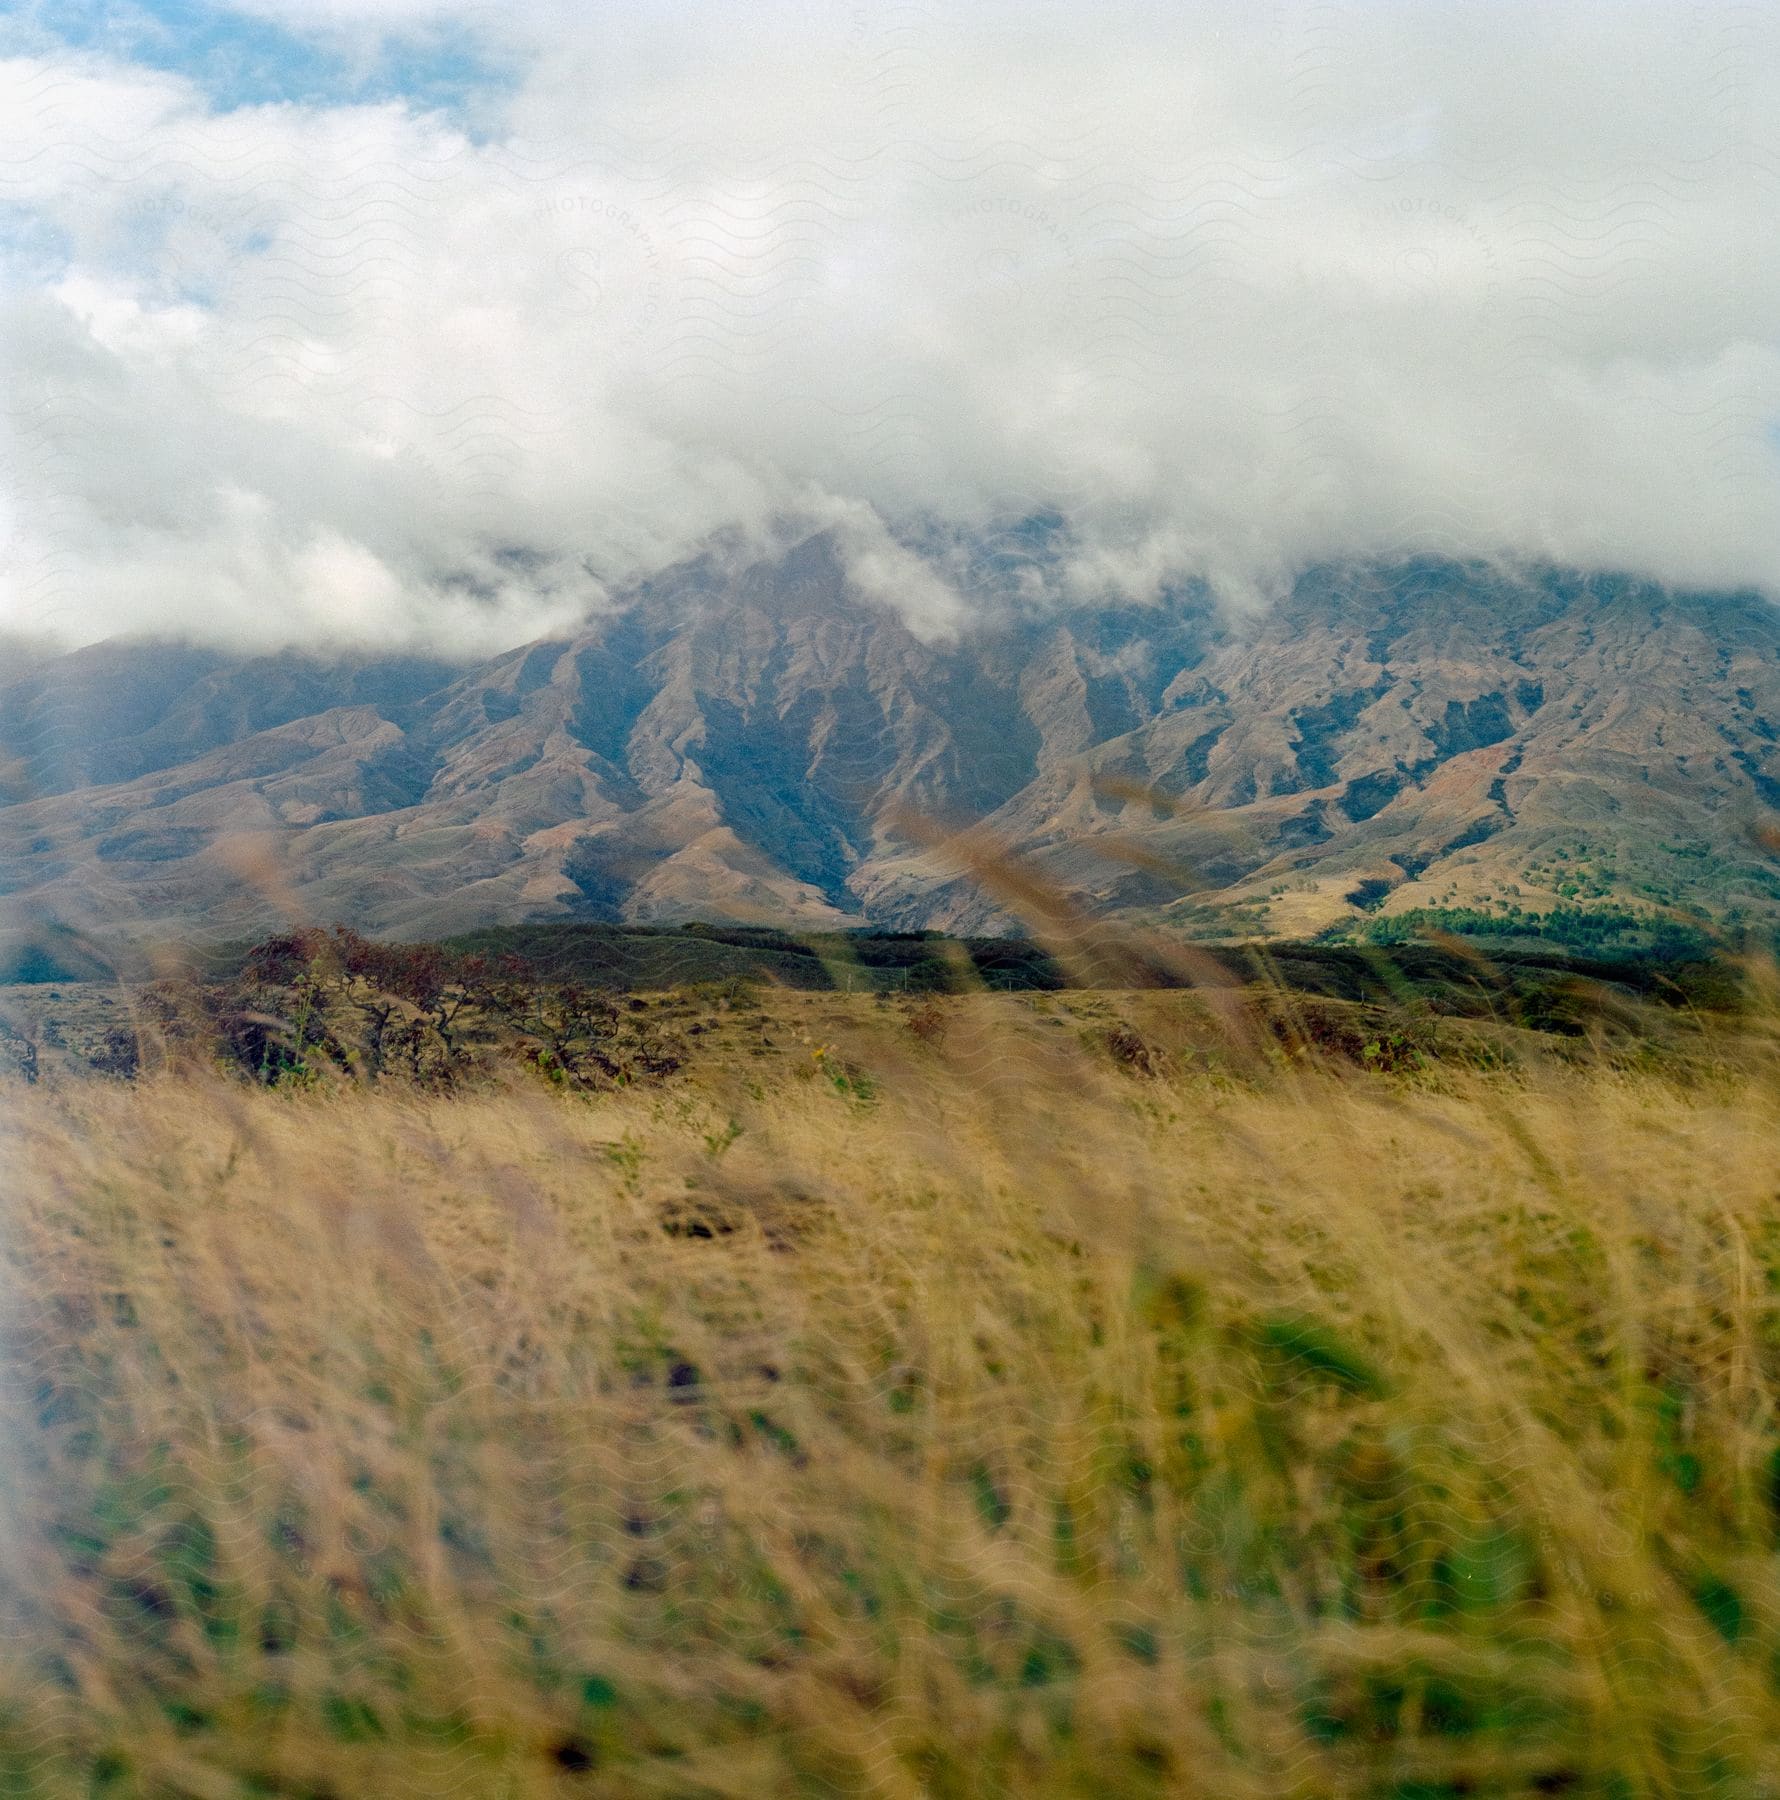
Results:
<point x="967" y="1403"/>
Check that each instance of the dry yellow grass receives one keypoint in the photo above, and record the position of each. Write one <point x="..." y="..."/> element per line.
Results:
<point x="953" y="1412"/>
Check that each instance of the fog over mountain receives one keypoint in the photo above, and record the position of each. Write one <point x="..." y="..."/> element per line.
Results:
<point x="429" y="328"/>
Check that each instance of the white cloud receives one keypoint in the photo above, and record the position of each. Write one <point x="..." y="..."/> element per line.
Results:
<point x="1233" y="288"/>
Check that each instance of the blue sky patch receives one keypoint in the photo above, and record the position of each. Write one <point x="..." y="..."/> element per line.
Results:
<point x="239" y="60"/>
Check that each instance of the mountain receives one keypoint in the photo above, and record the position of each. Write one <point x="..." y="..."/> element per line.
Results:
<point x="763" y="742"/>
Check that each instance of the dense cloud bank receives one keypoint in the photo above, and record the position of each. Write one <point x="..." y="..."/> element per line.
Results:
<point x="1231" y="288"/>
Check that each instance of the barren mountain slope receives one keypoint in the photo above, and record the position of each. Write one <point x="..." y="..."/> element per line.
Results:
<point x="757" y="744"/>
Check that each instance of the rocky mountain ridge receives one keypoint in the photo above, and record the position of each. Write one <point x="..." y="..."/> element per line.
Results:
<point x="764" y="743"/>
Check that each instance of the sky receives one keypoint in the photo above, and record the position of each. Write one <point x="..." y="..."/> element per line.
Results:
<point x="434" y="325"/>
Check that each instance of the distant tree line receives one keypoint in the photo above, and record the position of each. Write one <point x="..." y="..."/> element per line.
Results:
<point x="1584" y="930"/>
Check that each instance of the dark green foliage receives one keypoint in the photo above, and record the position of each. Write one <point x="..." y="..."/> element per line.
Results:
<point x="627" y="957"/>
<point x="1309" y="1348"/>
<point x="1591" y="930"/>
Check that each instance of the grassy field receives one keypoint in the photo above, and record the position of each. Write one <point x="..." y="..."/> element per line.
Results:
<point x="1045" y="1394"/>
